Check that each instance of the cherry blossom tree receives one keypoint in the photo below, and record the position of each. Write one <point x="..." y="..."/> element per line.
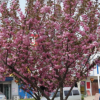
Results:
<point x="50" y="46"/>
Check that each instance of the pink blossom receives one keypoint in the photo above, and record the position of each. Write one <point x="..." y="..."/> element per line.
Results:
<point x="65" y="34"/>
<point x="63" y="48"/>
<point x="57" y="67"/>
<point x="63" y="69"/>
<point x="37" y="4"/>
<point x="86" y="28"/>
<point x="45" y="9"/>
<point x="95" y="43"/>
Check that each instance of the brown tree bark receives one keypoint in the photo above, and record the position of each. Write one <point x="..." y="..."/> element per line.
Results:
<point x="61" y="91"/>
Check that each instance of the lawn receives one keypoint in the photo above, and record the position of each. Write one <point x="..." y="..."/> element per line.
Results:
<point x="27" y="99"/>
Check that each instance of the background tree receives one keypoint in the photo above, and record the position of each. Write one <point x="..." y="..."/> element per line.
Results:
<point x="50" y="46"/>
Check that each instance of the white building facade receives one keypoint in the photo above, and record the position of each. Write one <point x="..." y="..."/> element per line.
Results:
<point x="91" y="84"/>
<point x="9" y="87"/>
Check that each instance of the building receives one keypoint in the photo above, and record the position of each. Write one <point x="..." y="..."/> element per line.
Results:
<point x="9" y="87"/>
<point x="90" y="85"/>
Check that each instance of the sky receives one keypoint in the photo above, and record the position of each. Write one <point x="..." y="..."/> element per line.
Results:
<point x="23" y="2"/>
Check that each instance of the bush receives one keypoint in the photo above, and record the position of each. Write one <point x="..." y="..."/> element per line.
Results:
<point x="82" y="97"/>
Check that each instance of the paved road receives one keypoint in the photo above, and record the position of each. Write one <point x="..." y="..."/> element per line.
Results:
<point x="89" y="98"/>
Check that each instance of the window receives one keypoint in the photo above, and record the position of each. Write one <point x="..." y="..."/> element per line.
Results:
<point x="66" y="93"/>
<point x="75" y="92"/>
<point x="51" y="94"/>
<point x="57" y="95"/>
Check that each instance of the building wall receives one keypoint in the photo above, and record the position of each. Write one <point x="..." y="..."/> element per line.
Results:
<point x="88" y="80"/>
<point x="94" y="71"/>
<point x="9" y="87"/>
<point x="14" y="88"/>
<point x="93" y="74"/>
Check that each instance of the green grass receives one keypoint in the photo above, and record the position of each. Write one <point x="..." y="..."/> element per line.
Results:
<point x="27" y="99"/>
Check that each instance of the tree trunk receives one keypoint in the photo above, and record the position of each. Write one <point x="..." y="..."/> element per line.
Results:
<point x="38" y="98"/>
<point x="69" y="92"/>
<point x="61" y="92"/>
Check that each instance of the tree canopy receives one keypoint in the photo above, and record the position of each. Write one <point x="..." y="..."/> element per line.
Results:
<point x="50" y="46"/>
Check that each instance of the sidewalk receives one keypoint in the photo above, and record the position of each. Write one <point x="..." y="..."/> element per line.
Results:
<point x="89" y="98"/>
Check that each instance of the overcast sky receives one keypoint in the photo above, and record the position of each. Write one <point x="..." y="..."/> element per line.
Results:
<point x="23" y="2"/>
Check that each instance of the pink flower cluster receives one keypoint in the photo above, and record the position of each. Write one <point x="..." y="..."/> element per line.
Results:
<point x="66" y="40"/>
